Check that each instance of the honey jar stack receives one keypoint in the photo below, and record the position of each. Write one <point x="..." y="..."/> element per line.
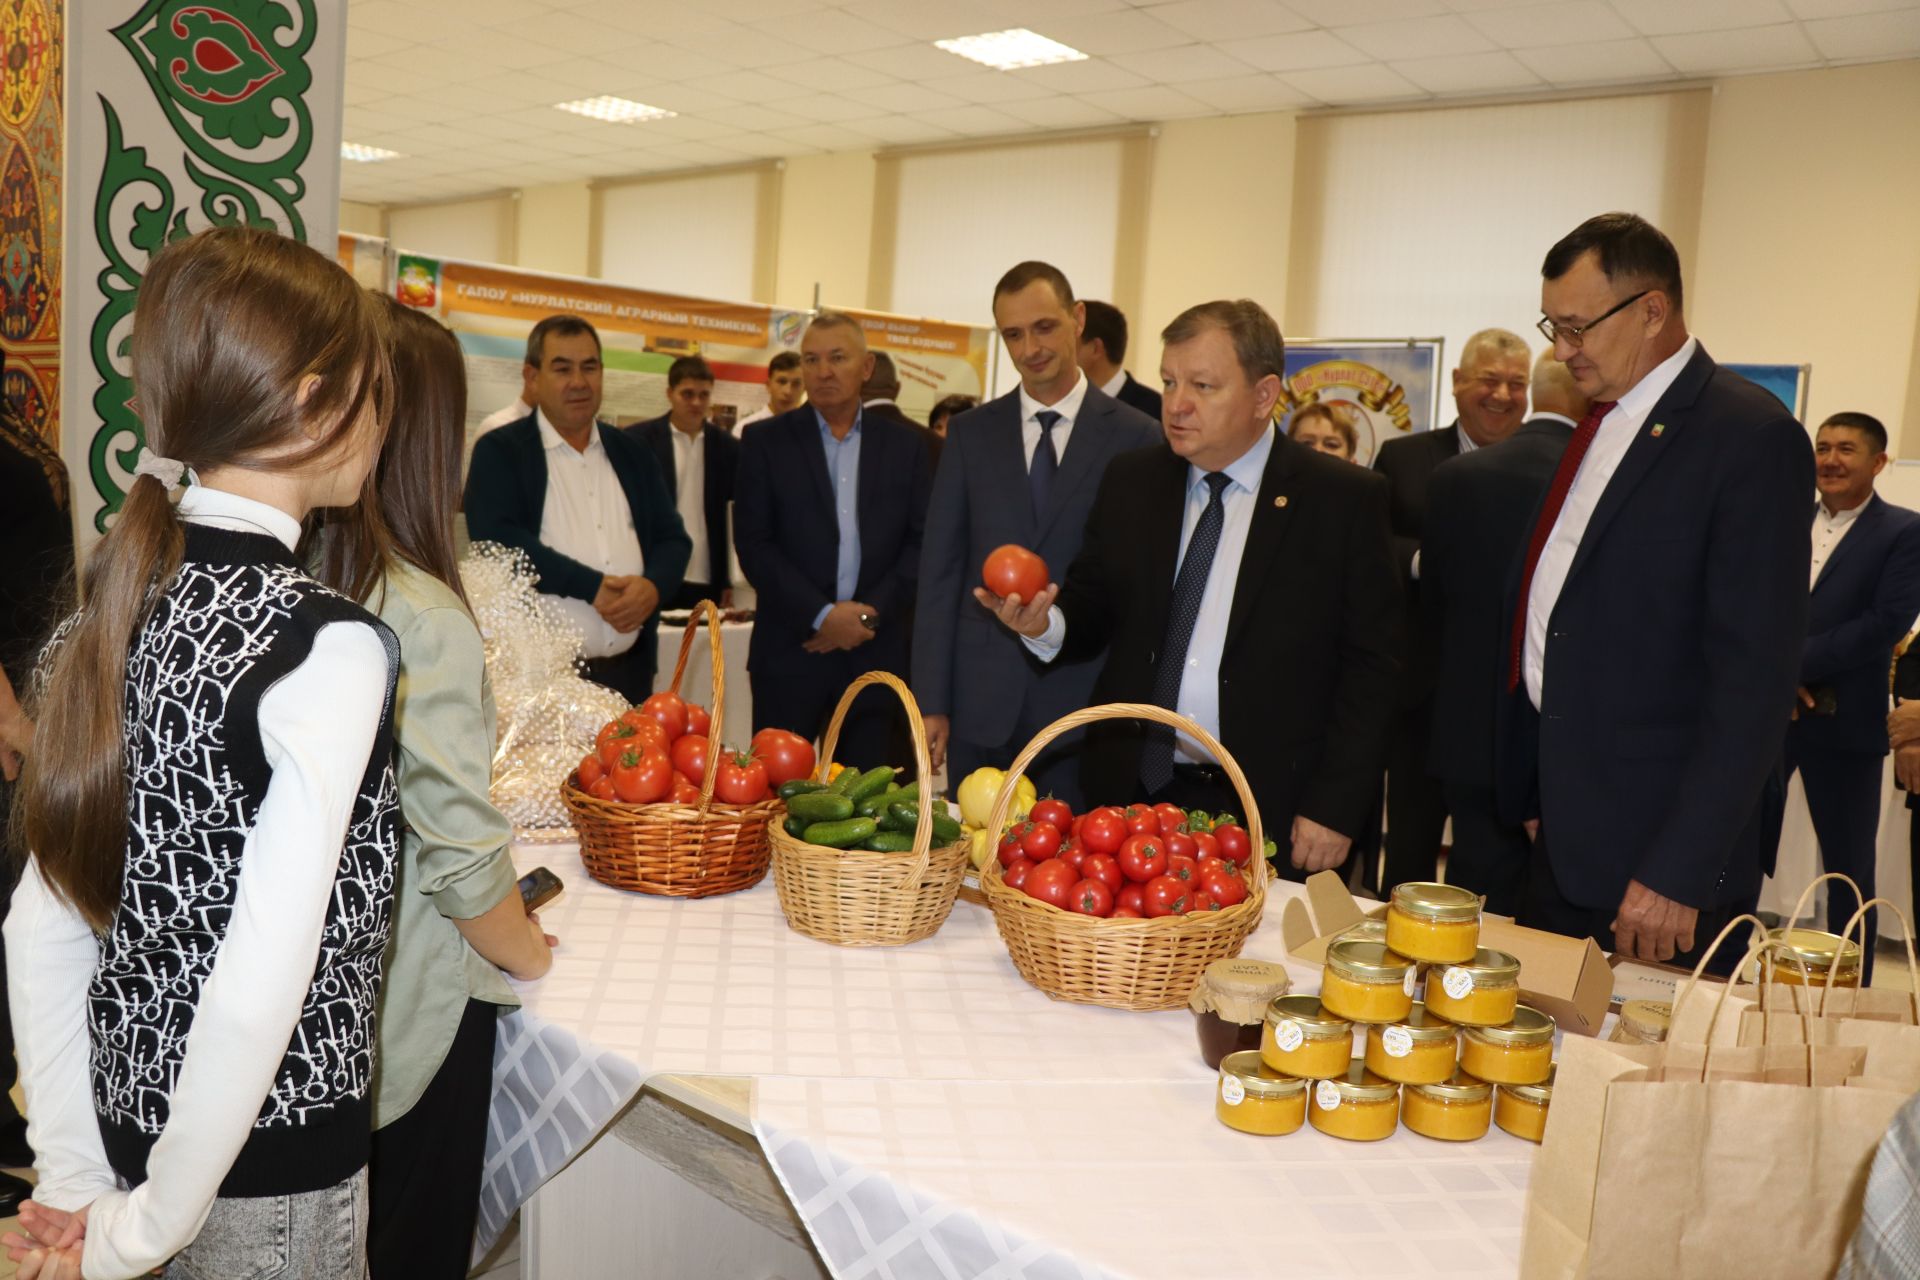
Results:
<point x="1465" y="1056"/>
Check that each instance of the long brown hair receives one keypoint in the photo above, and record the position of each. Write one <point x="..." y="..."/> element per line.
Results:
<point x="229" y="323"/>
<point x="412" y="492"/>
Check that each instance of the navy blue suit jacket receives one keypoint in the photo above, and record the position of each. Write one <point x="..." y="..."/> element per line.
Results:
<point x="789" y="540"/>
<point x="1672" y="655"/>
<point x="722" y="457"/>
<point x="965" y="664"/>
<point x="1863" y="602"/>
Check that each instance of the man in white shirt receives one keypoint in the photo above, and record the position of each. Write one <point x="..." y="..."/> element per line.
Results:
<point x="785" y="390"/>
<point x="1656" y="624"/>
<point x="1103" y="345"/>
<point x="699" y="460"/>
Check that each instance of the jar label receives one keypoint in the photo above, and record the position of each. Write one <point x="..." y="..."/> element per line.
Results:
<point x="1326" y="1095"/>
<point x="1231" y="1090"/>
<point x="1458" y="982"/>
<point x="1288" y="1036"/>
<point x="1397" y="1041"/>
<point x="1407" y="982"/>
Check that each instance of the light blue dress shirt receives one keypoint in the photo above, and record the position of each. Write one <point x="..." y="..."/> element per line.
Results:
<point x="1199" y="698"/>
<point x="843" y="467"/>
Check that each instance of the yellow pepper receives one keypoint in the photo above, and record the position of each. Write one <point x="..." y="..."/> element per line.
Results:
<point x="982" y="847"/>
<point x="976" y="793"/>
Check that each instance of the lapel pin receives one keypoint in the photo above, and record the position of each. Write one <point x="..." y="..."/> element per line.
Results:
<point x="1280" y="501"/>
<point x="1658" y="427"/>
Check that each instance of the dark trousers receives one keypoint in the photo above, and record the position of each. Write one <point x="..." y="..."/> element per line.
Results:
<point x="1416" y="802"/>
<point x="423" y="1177"/>
<point x="1488" y="856"/>
<point x="1545" y="907"/>
<point x="803" y="700"/>
<point x="628" y="674"/>
<point x="1054" y="772"/>
<point x="1843" y="798"/>
<point x="691" y="594"/>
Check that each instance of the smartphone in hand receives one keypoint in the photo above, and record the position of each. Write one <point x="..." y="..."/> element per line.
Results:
<point x="539" y="887"/>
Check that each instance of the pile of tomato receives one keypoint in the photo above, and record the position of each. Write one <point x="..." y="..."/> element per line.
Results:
<point x="1140" y="862"/>
<point x="662" y="749"/>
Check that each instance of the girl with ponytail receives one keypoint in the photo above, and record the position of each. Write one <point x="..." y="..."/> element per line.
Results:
<point x="209" y="811"/>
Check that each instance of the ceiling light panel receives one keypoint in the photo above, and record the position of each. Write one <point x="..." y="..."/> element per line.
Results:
<point x="614" y="110"/>
<point x="1012" y="49"/>
<point x="365" y="154"/>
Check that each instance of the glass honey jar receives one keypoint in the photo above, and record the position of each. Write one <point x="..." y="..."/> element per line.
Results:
<point x="1457" y="1109"/>
<point x="1434" y="923"/>
<point x="1366" y="982"/>
<point x="1521" y="1109"/>
<point x="1302" y="1039"/>
<point x="1255" y="1099"/>
<point x="1358" y="1106"/>
<point x="1483" y="992"/>
<point x="1230" y="1002"/>
<point x="1421" y="1048"/>
<point x="1519" y="1053"/>
<point x="1827" y="956"/>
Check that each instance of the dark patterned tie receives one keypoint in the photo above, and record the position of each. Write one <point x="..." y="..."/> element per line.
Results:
<point x="1045" y="462"/>
<point x="1156" y="760"/>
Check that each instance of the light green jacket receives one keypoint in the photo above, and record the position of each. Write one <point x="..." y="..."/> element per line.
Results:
<point x="454" y="863"/>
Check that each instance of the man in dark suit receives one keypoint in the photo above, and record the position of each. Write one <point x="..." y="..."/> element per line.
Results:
<point x="1480" y="506"/>
<point x="588" y="505"/>
<point x="698" y="460"/>
<point x="1020" y="469"/>
<point x="1103" y="345"/>
<point x="828" y="511"/>
<point x="880" y="397"/>
<point x="1244" y="581"/>
<point x="1656" y="620"/>
<point x="1490" y="394"/>
<point x="1865" y="593"/>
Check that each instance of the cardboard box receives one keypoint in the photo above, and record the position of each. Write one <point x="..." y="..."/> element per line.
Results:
<point x="1567" y="978"/>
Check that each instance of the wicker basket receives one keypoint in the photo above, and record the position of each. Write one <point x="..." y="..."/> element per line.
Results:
<point x="858" y="898"/>
<point x="1123" y="964"/>
<point x="677" y="850"/>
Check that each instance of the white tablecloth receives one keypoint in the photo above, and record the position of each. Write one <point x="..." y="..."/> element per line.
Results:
<point x="737" y="731"/>
<point x="722" y="986"/>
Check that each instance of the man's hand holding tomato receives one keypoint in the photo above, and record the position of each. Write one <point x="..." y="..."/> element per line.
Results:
<point x="1023" y="617"/>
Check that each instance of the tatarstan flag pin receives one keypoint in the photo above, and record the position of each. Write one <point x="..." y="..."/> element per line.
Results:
<point x="1658" y="427"/>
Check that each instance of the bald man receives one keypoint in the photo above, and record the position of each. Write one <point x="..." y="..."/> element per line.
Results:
<point x="1479" y="512"/>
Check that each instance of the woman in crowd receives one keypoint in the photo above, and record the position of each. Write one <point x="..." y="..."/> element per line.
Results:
<point x="459" y="919"/>
<point x="196" y="941"/>
<point x="947" y="408"/>
<point x="1326" y="427"/>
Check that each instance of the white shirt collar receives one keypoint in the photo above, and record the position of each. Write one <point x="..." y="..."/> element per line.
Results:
<point x="1638" y="402"/>
<point x="1544" y="416"/>
<point x="1840" y="519"/>
<point x="1467" y="443"/>
<point x="551" y="439"/>
<point x="1112" y="385"/>
<point x="1067" y="406"/>
<point x="226" y="510"/>
<point x="1247" y="470"/>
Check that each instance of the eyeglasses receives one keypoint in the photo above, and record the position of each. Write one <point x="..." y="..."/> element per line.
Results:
<point x="1574" y="334"/>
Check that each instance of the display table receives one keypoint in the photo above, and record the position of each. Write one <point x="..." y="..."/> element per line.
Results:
<point x="929" y="1114"/>
<point x="698" y="684"/>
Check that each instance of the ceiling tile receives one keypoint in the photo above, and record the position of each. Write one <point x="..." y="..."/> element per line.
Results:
<point x="1416" y="38"/>
<point x="830" y="31"/>
<point x="1468" y="73"/>
<point x="748" y="86"/>
<point x="1125" y="31"/>
<point x="648" y="63"/>
<point x="913" y="62"/>
<point x="695" y="153"/>
<point x="586" y="40"/>
<point x="422" y="110"/>
<point x="1871" y="35"/>
<point x="1608" y="62"/>
<point x="1228" y="19"/>
<point x="1305" y="51"/>
<point x="824" y="108"/>
<point x="972" y="121"/>
<point x="827" y="137"/>
<point x="764" y="146"/>
<point x="1664" y="17"/>
<point x="1091" y="76"/>
<point x="363" y="43"/>
<point x="399" y="73"/>
<point x="1345" y="13"/>
<point x="904" y="98"/>
<point x="663" y="23"/>
<point x="1535" y="26"/>
<point x="750" y="116"/>
<point x="1155" y="102"/>
<point x="530" y="87"/>
<point x="829" y="75"/>
<point x="1748" y="49"/>
<point x="1175" y="66"/>
<point x="700" y="128"/>
<point x="1844" y="8"/>
<point x="1345" y="86"/>
<point x="899" y="130"/>
<point x="1248" y="93"/>
<point x="491" y="49"/>
<point x="1061" y="113"/>
<point x="942" y="19"/>
<point x="757" y="10"/>
<point x="414" y="26"/>
<point x="990" y="87"/>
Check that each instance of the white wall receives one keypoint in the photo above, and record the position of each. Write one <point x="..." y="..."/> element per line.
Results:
<point x="478" y="230"/>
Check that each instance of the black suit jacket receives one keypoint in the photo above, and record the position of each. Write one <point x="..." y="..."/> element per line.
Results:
<point x="1408" y="463"/>
<point x="1313" y="639"/>
<point x="1480" y="509"/>
<point x="894" y="413"/>
<point x="1672" y="655"/>
<point x="1140" y="396"/>
<point x="721" y="460"/>
<point x="1863" y="602"/>
<point x="788" y="537"/>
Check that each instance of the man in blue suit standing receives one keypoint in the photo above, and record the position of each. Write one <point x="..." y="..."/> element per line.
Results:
<point x="829" y="505"/>
<point x="1865" y="584"/>
<point x="1020" y="469"/>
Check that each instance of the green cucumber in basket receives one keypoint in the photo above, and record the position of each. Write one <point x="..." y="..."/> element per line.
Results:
<point x="800" y="787"/>
<point x="796" y="827"/>
<point x="845" y="781"/>
<point x="905" y="817"/>
<point x="889" y="842"/>
<point x="875" y="807"/>
<point x="843" y="834"/>
<point x="871" y="783"/>
<point x="820" y="806"/>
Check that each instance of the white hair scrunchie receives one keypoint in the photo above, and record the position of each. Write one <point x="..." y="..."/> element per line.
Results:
<point x="168" y="471"/>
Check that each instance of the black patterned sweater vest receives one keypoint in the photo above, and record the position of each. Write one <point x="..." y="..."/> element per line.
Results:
<point x="240" y="616"/>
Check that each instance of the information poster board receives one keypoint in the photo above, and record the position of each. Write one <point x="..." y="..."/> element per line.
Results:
<point x="365" y="258"/>
<point x="1391" y="385"/>
<point x="934" y="358"/>
<point x="1788" y="382"/>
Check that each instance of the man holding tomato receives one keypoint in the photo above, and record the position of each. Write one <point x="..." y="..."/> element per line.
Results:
<point x="1244" y="581"/>
<point x="982" y="695"/>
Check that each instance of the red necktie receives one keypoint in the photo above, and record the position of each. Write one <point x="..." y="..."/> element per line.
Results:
<point x="1543" y="527"/>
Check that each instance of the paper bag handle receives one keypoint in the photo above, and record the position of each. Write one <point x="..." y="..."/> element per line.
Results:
<point x="1763" y="946"/>
<point x="1859" y="921"/>
<point x="1806" y="894"/>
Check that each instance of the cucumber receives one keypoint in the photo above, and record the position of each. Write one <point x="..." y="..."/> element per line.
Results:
<point x="800" y="787"/>
<point x="871" y="783"/>
<point x="843" y="834"/>
<point x="876" y="806"/>
<point x="889" y="842"/>
<point x="906" y="816"/>
<point x="820" y="806"/>
<point x="795" y="828"/>
<point x="841" y="785"/>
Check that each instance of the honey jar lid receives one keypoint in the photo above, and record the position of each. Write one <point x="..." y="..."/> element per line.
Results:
<point x="1542" y="1092"/>
<point x="1459" y="1087"/>
<point x="1529" y="1027"/>
<point x="1239" y="989"/>
<point x="1427" y="900"/>
<point x="1422" y="1026"/>
<point x="1358" y="1085"/>
<point x="1817" y="948"/>
<point x="1258" y="1078"/>
<point x="1369" y="930"/>
<point x="1368" y="962"/>
<point x="1648" y="1019"/>
<point x="1494" y="968"/>
<point x="1310" y="1016"/>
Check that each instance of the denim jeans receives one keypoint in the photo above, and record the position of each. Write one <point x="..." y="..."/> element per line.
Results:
<point x="315" y="1235"/>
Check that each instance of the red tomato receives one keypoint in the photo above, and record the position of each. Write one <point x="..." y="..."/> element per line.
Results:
<point x="1226" y="887"/>
<point x="1235" y="844"/>
<point x="1041" y="841"/>
<point x="1016" y="872"/>
<point x="590" y="771"/>
<point x="1130" y="899"/>
<point x="635" y="717"/>
<point x="603" y="789"/>
<point x="699" y="720"/>
<point x="1010" y="844"/>
<point x="1142" y="858"/>
<point x="641" y="777"/>
<point x="652" y="734"/>
<point x="1142" y="821"/>
<point x="1103" y="831"/>
<point x="1051" y="882"/>
<point x="1183" y="868"/>
<point x="787" y="755"/>
<point x="669" y="710"/>
<point x="1213" y="866"/>
<point x="1181" y="845"/>
<point x="1202" y="900"/>
<point x="689" y="756"/>
<point x="1105" y="868"/>
<point x="614" y="740"/>
<point x="1113" y="809"/>
<point x="1165" y="896"/>
<point x="1126" y="913"/>
<point x="742" y="780"/>
<point x="1079" y="820"/>
<point x="1090" y="898"/>
<point x="1014" y="571"/>
<point x="1055" y="812"/>
<point x="1172" y="818"/>
<point x="1073" y="855"/>
<point x="1209" y="844"/>
<point x="684" y="790"/>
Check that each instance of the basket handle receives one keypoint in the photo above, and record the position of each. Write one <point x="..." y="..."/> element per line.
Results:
<point x="1003" y="802"/>
<point x="707" y="613"/>
<point x="923" y="764"/>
